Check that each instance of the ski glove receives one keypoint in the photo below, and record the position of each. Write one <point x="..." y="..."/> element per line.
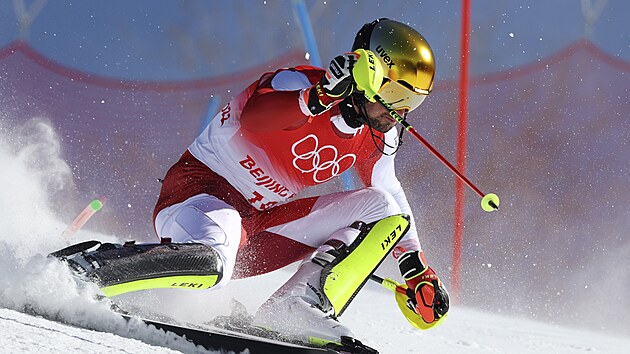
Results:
<point x="427" y="297"/>
<point x="335" y="85"/>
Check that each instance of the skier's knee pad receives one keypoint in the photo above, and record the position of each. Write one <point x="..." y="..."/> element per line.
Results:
<point x="347" y="268"/>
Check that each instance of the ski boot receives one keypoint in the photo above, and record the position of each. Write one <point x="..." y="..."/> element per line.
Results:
<point x="119" y="269"/>
<point x="306" y="307"/>
<point x="300" y="311"/>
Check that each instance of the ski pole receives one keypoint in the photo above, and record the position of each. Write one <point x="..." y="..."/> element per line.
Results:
<point x="388" y="283"/>
<point x="85" y="215"/>
<point x="368" y="77"/>
<point x="489" y="202"/>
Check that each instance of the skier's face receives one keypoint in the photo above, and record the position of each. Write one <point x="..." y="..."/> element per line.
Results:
<point x="379" y="117"/>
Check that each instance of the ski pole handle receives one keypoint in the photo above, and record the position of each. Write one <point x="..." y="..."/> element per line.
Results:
<point x="402" y="298"/>
<point x="388" y="283"/>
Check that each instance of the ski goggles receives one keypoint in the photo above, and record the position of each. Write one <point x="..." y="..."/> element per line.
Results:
<point x="401" y="95"/>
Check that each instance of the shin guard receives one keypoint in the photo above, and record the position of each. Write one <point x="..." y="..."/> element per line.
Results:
<point x="119" y="269"/>
<point x="346" y="274"/>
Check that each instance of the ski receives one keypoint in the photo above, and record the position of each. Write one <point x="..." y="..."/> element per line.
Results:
<point x="115" y="268"/>
<point x="229" y="340"/>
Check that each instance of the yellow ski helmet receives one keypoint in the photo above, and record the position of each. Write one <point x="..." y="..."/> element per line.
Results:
<point x="407" y="61"/>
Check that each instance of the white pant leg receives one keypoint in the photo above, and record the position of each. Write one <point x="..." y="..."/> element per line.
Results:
<point x="332" y="214"/>
<point x="204" y="219"/>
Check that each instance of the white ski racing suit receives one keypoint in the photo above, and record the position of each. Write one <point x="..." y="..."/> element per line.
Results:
<point x="235" y="187"/>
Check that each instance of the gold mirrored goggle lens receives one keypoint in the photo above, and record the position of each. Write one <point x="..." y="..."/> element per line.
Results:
<point x="402" y="97"/>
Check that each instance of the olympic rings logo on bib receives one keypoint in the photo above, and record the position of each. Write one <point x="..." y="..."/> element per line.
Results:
<point x="324" y="162"/>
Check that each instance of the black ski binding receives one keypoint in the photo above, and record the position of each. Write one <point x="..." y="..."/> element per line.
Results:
<point x="351" y="345"/>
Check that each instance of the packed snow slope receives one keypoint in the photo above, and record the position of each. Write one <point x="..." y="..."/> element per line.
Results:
<point x="374" y="318"/>
<point x="37" y="293"/>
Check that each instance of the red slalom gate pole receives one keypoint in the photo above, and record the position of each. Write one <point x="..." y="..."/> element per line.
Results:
<point x="458" y="234"/>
